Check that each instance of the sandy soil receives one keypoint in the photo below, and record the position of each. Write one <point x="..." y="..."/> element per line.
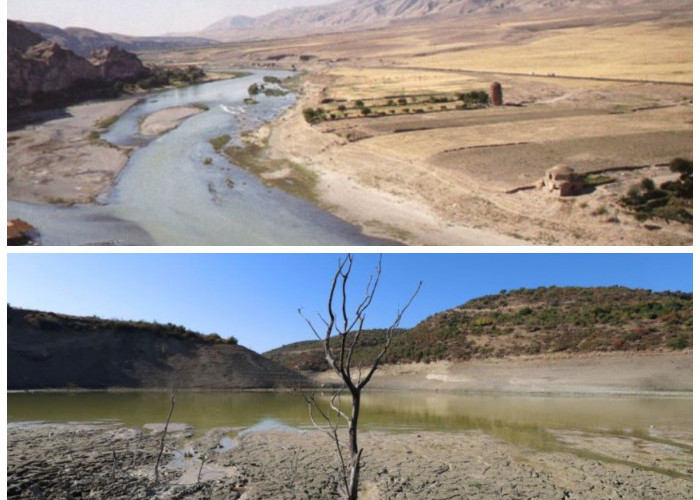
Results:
<point x="420" y="193"/>
<point x="594" y="373"/>
<point x="61" y="160"/>
<point x="109" y="461"/>
<point x="167" y="119"/>
<point x="356" y="184"/>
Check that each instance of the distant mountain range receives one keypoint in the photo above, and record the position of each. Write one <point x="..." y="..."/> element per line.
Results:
<point x="84" y="41"/>
<point x="355" y="14"/>
<point x="344" y="15"/>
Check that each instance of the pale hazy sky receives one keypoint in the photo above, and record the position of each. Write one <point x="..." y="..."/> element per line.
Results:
<point x="142" y="17"/>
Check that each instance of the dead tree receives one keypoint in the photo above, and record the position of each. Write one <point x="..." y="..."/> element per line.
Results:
<point x="165" y="431"/>
<point x="348" y="325"/>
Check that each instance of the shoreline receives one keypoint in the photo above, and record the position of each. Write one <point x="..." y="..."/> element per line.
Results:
<point x="63" y="161"/>
<point x="614" y="374"/>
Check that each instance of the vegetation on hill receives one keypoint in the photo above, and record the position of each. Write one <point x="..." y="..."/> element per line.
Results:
<point x="528" y="321"/>
<point x="48" y="321"/>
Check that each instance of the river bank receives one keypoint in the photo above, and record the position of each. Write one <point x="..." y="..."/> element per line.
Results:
<point x="111" y="461"/>
<point x="364" y="167"/>
<point x="61" y="160"/>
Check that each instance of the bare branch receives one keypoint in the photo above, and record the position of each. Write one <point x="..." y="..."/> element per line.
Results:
<point x="389" y="338"/>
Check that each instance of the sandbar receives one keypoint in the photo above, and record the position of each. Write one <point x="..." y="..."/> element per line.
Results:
<point x="167" y="119"/>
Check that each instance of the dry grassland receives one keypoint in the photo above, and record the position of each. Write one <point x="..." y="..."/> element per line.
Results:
<point x="440" y="177"/>
<point x="641" y="51"/>
<point x="422" y="144"/>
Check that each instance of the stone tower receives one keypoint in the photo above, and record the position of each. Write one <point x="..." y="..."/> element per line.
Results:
<point x="496" y="94"/>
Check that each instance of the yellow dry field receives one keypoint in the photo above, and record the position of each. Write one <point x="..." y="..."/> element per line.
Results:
<point x="422" y="144"/>
<point x="641" y="51"/>
<point x="368" y="83"/>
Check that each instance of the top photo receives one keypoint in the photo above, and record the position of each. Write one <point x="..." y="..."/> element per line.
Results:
<point x="350" y="123"/>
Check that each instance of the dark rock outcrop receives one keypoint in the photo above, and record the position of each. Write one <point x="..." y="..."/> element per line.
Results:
<point x="45" y="74"/>
<point x="115" y="64"/>
<point x="46" y="350"/>
<point x="20" y="38"/>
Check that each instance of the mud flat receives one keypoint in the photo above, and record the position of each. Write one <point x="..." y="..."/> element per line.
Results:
<point x="110" y="461"/>
<point x="61" y="160"/>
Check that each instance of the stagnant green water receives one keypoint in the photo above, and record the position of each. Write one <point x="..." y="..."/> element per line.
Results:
<point x="512" y="417"/>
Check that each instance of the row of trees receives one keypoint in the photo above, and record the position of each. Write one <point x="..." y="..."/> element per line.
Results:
<point x="473" y="98"/>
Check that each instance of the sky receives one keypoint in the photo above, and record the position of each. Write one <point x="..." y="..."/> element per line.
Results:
<point x="142" y="17"/>
<point x="255" y="297"/>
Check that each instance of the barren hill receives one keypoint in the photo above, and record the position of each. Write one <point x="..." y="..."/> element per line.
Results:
<point x="47" y="350"/>
<point x="356" y="14"/>
<point x="529" y="321"/>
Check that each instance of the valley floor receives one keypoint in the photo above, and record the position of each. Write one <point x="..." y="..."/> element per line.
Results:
<point x="109" y="461"/>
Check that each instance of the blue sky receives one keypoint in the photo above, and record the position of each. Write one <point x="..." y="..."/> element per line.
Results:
<point x="139" y="17"/>
<point x="255" y="297"/>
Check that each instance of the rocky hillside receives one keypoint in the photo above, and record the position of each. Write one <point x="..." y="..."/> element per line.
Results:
<point x="43" y="73"/>
<point x="529" y="321"/>
<point x="356" y="14"/>
<point x="46" y="350"/>
<point x="84" y="41"/>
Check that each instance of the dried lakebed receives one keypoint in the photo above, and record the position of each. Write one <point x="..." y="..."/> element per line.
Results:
<point x="170" y="193"/>
<point x="491" y="454"/>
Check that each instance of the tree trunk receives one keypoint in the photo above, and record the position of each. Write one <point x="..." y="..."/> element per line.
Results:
<point x="355" y="453"/>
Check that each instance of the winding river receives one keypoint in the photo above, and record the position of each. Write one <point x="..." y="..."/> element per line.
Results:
<point x="166" y="195"/>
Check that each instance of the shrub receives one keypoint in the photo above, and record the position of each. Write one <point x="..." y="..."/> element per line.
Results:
<point x="678" y="342"/>
<point x="313" y="115"/>
<point x="365" y="111"/>
<point x="219" y="142"/>
<point x="359" y="104"/>
<point x="402" y="101"/>
<point x="474" y="97"/>
<point x="254" y="89"/>
<point x="342" y="107"/>
<point x="648" y="184"/>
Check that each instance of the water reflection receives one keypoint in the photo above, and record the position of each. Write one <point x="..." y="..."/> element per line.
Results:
<point x="512" y="417"/>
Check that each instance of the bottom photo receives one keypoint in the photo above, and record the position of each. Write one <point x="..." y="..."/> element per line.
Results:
<point x="358" y="376"/>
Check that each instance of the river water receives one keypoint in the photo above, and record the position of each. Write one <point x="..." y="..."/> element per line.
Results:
<point x="166" y="195"/>
<point x="518" y="418"/>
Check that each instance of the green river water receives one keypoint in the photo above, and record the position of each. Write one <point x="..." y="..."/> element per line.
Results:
<point x="517" y="418"/>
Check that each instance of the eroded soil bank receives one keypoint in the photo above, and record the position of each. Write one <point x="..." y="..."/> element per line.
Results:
<point x="111" y="461"/>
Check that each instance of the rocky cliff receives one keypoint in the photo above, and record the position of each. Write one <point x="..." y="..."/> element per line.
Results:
<point x="46" y="350"/>
<point x="43" y="73"/>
